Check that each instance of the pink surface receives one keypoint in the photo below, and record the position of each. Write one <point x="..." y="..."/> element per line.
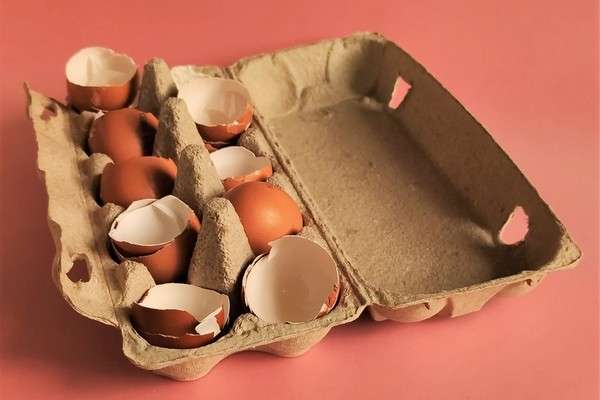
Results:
<point x="527" y="70"/>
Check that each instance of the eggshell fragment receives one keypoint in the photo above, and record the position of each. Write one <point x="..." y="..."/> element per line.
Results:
<point x="178" y="315"/>
<point x="266" y="212"/>
<point x="168" y="252"/>
<point x="123" y="134"/>
<point x="220" y="107"/>
<point x="236" y="165"/>
<point x="100" y="79"/>
<point x="137" y="178"/>
<point x="296" y="282"/>
<point x="146" y="226"/>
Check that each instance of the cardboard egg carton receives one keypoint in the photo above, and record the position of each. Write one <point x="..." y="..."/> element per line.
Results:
<point x="410" y="201"/>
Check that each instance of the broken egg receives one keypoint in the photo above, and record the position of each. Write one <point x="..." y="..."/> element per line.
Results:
<point x="100" y="79"/>
<point x="161" y="234"/>
<point x="220" y="107"/>
<point x="236" y="165"/>
<point x="297" y="281"/>
<point x="180" y="316"/>
<point x="123" y="134"/>
<point x="137" y="178"/>
<point x="266" y="213"/>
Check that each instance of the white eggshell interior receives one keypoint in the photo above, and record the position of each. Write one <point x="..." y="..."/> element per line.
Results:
<point x="235" y="161"/>
<point x="151" y="222"/>
<point x="98" y="66"/>
<point x="292" y="282"/>
<point x="209" y="324"/>
<point x="202" y="304"/>
<point x="214" y="101"/>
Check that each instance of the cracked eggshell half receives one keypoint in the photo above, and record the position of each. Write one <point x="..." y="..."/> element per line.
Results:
<point x="161" y="234"/>
<point x="123" y="134"/>
<point x="138" y="178"/>
<point x="236" y="165"/>
<point x="180" y="316"/>
<point x="100" y="79"/>
<point x="297" y="281"/>
<point x="220" y="107"/>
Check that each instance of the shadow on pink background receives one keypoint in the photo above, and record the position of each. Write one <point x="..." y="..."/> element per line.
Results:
<point x="527" y="70"/>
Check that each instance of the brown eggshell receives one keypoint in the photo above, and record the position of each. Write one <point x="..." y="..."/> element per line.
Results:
<point x="266" y="212"/>
<point x="100" y="79"/>
<point x="93" y="98"/>
<point x="236" y="165"/>
<point x="194" y="222"/>
<point x="224" y="133"/>
<point x="187" y="341"/>
<point x="168" y="323"/>
<point x="148" y="225"/>
<point x="331" y="300"/>
<point x="123" y="134"/>
<point x="297" y="281"/>
<point x="170" y="264"/>
<point x="210" y="147"/>
<point x="213" y="146"/>
<point x="126" y="250"/>
<point x="259" y="175"/>
<point x="220" y="107"/>
<point x="137" y="178"/>
<point x="165" y="322"/>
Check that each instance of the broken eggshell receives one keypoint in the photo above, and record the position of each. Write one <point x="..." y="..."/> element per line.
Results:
<point x="100" y="79"/>
<point x="297" y="281"/>
<point x="161" y="234"/>
<point x="137" y="178"/>
<point x="236" y="165"/>
<point x="179" y="315"/>
<point x="220" y="107"/>
<point x="123" y="134"/>
<point x="266" y="213"/>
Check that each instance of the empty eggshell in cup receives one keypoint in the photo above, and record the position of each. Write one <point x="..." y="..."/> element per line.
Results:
<point x="180" y="316"/>
<point x="220" y="107"/>
<point x="161" y="234"/>
<point x="123" y="134"/>
<point x="100" y="79"/>
<point x="297" y="281"/>
<point x="266" y="213"/>
<point x="236" y="165"/>
<point x="137" y="178"/>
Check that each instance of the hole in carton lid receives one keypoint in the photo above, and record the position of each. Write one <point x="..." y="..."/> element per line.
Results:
<point x="401" y="88"/>
<point x="515" y="228"/>
<point x="80" y="270"/>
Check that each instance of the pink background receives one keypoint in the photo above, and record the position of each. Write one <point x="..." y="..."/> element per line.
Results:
<point x="528" y="70"/>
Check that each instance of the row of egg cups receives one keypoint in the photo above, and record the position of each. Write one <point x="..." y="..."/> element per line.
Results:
<point x="292" y="279"/>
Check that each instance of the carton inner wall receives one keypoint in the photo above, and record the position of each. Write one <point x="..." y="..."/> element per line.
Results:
<point x="399" y="220"/>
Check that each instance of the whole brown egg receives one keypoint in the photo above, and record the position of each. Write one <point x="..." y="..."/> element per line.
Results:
<point x="137" y="179"/>
<point x="266" y="212"/>
<point x="123" y="134"/>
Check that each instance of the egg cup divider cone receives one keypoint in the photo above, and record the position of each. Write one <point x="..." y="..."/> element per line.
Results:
<point x="409" y="200"/>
